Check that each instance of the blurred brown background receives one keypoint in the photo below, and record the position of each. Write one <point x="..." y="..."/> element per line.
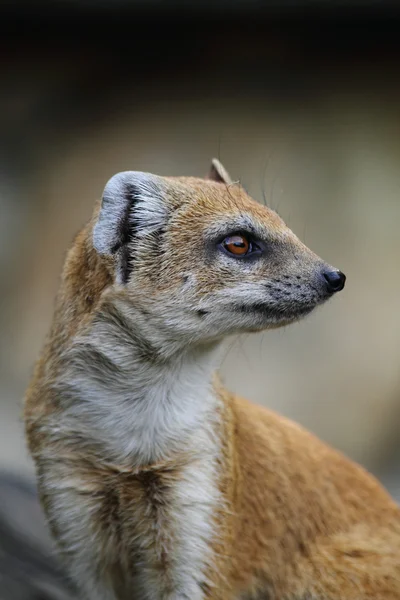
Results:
<point x="299" y="100"/>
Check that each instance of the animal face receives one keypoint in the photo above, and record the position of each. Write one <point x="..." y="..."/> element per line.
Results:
<point x="201" y="259"/>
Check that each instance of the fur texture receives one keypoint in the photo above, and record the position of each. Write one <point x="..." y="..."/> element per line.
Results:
<point x="158" y="483"/>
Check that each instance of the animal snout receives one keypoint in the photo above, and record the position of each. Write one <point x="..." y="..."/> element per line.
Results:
<point x="335" y="280"/>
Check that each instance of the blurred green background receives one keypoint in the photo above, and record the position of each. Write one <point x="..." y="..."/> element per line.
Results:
<point x="299" y="100"/>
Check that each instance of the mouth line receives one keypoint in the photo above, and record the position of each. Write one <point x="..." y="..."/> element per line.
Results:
<point x="282" y="314"/>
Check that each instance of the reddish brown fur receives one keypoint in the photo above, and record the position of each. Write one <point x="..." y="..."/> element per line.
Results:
<point x="303" y="522"/>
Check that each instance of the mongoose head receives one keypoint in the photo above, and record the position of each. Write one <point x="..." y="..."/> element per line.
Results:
<point x="201" y="259"/>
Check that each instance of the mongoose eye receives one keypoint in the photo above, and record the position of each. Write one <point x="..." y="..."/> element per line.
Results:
<point x="240" y="245"/>
<point x="237" y="245"/>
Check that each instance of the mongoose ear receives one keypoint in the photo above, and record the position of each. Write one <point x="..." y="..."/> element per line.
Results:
<point x="219" y="173"/>
<point x="133" y="205"/>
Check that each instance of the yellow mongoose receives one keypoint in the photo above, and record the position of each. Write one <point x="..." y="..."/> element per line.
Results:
<point x="157" y="483"/>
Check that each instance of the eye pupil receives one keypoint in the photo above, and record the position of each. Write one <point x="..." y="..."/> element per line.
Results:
<point x="237" y="245"/>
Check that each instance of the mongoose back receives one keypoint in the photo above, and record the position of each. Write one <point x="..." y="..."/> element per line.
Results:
<point x="158" y="483"/>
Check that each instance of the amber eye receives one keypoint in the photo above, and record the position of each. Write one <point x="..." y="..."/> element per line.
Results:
<point x="237" y="245"/>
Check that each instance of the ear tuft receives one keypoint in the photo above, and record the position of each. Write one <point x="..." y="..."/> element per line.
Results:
<point x="133" y="206"/>
<point x="218" y="173"/>
<point x="132" y="203"/>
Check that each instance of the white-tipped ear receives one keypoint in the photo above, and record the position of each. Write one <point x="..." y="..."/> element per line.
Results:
<point x="219" y="173"/>
<point x="133" y="206"/>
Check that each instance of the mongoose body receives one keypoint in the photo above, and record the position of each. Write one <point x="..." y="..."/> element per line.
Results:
<point x="158" y="483"/>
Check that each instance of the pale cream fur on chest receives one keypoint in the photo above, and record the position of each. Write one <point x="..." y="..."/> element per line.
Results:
<point x="141" y="413"/>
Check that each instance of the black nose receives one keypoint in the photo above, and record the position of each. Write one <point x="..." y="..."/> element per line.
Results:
<point x="335" y="280"/>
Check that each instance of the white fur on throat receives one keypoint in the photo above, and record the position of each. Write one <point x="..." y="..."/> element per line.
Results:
<point x="137" y="408"/>
<point x="142" y="412"/>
